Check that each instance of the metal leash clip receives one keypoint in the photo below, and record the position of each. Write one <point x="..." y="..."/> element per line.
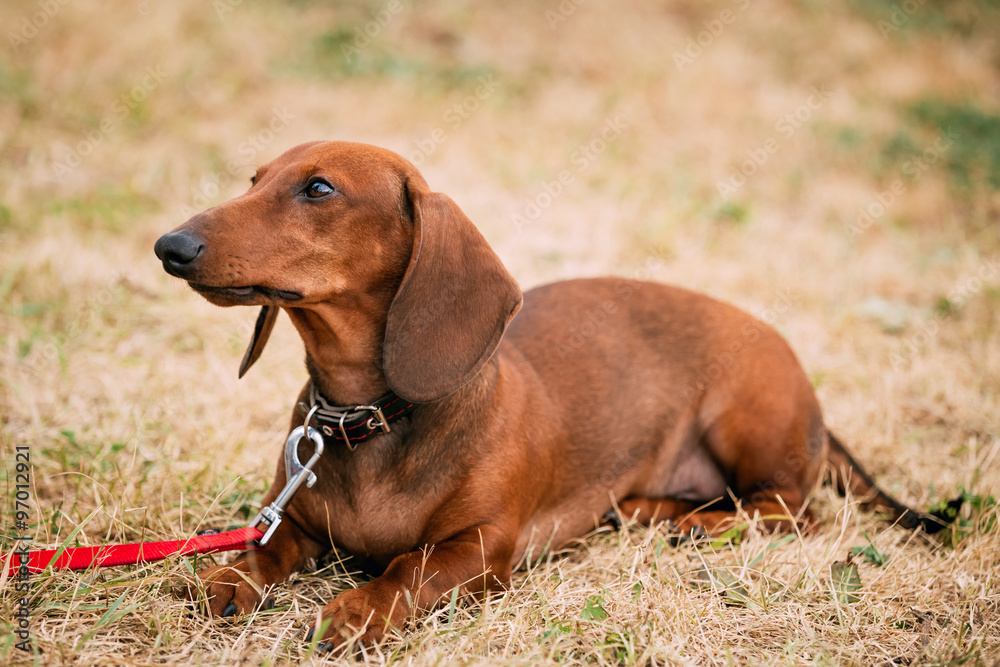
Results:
<point x="295" y="473"/>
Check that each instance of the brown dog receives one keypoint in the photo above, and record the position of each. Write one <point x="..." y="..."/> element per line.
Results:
<point x="670" y="403"/>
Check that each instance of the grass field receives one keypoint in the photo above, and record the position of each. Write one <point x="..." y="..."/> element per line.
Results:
<point x="832" y="167"/>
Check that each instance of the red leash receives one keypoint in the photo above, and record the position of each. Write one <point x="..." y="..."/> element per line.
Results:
<point x="252" y="537"/>
<point x="81" y="558"/>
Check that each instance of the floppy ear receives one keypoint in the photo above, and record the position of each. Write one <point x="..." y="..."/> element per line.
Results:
<point x="452" y="306"/>
<point x="261" y="332"/>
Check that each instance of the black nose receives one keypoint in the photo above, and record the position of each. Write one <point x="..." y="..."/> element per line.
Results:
<point x="177" y="251"/>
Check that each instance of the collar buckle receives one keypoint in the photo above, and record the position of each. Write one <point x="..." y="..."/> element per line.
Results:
<point x="382" y="422"/>
<point x="355" y="423"/>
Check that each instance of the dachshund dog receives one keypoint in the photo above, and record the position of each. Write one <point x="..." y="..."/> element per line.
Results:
<point x="458" y="436"/>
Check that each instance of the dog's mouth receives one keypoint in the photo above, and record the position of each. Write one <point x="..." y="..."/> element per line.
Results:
<point x="247" y="293"/>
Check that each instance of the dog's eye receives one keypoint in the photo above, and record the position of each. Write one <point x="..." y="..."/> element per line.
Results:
<point x="318" y="189"/>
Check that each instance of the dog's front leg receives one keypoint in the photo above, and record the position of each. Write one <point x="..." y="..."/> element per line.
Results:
<point x="476" y="560"/>
<point x="238" y="588"/>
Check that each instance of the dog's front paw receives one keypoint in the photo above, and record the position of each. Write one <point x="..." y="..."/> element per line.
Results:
<point x="228" y="590"/>
<point x="362" y="615"/>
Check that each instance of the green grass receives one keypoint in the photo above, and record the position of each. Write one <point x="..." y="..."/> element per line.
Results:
<point x="961" y="140"/>
<point x="974" y="159"/>
<point x="906" y="21"/>
<point x="336" y="55"/>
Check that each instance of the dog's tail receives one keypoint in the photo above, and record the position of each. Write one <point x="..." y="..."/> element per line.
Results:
<point x="848" y="475"/>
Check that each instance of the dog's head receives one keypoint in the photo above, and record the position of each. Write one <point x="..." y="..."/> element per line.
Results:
<point x="343" y="222"/>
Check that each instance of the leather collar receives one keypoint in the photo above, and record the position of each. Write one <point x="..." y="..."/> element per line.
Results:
<point x="352" y="424"/>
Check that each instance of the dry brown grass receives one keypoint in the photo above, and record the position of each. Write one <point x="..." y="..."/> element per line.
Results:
<point x="123" y="383"/>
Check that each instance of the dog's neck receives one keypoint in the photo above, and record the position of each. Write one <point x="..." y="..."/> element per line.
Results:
<point x="343" y="350"/>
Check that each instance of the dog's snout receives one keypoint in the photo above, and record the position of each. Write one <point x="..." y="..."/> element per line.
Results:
<point x="177" y="251"/>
